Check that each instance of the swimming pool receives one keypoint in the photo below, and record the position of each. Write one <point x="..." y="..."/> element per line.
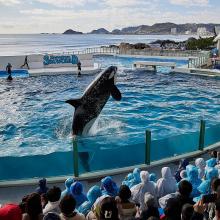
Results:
<point x="36" y="121"/>
<point x="15" y="73"/>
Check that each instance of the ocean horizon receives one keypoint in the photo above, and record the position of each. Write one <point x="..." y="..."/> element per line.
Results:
<point x="25" y="44"/>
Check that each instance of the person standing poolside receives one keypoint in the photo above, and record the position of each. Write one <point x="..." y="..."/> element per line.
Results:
<point x="25" y="63"/>
<point x="8" y="69"/>
<point x="79" y="68"/>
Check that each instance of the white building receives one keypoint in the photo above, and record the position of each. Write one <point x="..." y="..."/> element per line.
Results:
<point x="217" y="29"/>
<point x="201" y="31"/>
<point x="173" y="31"/>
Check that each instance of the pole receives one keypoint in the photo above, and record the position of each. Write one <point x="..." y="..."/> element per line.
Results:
<point x="147" y="149"/>
<point x="202" y="135"/>
<point x="75" y="158"/>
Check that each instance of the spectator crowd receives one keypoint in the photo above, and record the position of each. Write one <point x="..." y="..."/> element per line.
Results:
<point x="191" y="193"/>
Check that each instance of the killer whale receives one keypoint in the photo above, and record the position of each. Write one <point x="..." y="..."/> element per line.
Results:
<point x="89" y="106"/>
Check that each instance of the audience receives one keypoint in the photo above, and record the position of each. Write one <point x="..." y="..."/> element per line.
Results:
<point x="126" y="208"/>
<point x="139" y="190"/>
<point x="200" y="164"/>
<point x="109" y="187"/>
<point x="76" y="190"/>
<point x="166" y="184"/>
<point x="42" y="188"/>
<point x="33" y="208"/>
<point x="93" y="194"/>
<point x="140" y="197"/>
<point x="11" y="211"/>
<point x="182" y="166"/>
<point x="132" y="179"/>
<point x="150" y="209"/>
<point x="53" y="196"/>
<point x="68" y="183"/>
<point x="193" y="178"/>
<point x="67" y="208"/>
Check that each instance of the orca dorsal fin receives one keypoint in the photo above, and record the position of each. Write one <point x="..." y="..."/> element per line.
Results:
<point x="74" y="102"/>
<point x="115" y="93"/>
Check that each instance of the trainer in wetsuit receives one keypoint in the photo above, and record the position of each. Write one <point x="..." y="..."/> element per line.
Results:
<point x="79" y="68"/>
<point x="25" y="63"/>
<point x="8" y="70"/>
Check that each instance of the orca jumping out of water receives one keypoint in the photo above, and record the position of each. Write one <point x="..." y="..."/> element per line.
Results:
<point x="89" y="106"/>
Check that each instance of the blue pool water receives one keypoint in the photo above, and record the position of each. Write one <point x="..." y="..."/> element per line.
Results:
<point x="35" y="120"/>
<point x="15" y="73"/>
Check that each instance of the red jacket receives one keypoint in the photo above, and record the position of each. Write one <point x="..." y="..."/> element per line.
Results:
<point x="10" y="212"/>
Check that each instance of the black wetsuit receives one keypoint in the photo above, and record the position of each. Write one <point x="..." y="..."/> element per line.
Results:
<point x="8" y="69"/>
<point x="79" y="68"/>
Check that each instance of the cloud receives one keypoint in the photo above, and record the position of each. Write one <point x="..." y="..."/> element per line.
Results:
<point x="9" y="2"/>
<point x="190" y="2"/>
<point x="66" y="3"/>
<point x="128" y="3"/>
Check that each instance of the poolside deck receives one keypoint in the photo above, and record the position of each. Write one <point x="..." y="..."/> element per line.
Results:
<point x="142" y="65"/>
<point x="63" y="70"/>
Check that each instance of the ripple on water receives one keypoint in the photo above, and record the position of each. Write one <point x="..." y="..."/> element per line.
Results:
<point x="34" y="118"/>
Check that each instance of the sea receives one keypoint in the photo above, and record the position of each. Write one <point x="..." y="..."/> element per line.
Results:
<point x="25" y="44"/>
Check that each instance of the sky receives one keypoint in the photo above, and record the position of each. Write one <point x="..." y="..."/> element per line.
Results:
<point x="56" y="16"/>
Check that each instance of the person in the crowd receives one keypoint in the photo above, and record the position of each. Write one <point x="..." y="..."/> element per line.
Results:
<point x="212" y="162"/>
<point x="53" y="196"/>
<point x="153" y="178"/>
<point x="182" y="166"/>
<point x="210" y="199"/>
<point x="166" y="184"/>
<point x="51" y="216"/>
<point x="93" y="193"/>
<point x="217" y="210"/>
<point x="182" y="195"/>
<point x="183" y="175"/>
<point x="9" y="71"/>
<point x="25" y="62"/>
<point x="200" y="164"/>
<point x="135" y="180"/>
<point x="68" y="183"/>
<point x="128" y="179"/>
<point x="76" y="190"/>
<point x="108" y="209"/>
<point x="187" y="212"/>
<point x="190" y="212"/>
<point x="79" y="68"/>
<point x="67" y="208"/>
<point x="126" y="208"/>
<point x="205" y="186"/>
<point x="172" y="210"/>
<point x="33" y="208"/>
<point x="151" y="209"/>
<point x="109" y="187"/>
<point x="139" y="190"/>
<point x="193" y="178"/>
<point x="11" y="212"/>
<point x="42" y="186"/>
<point x="44" y="200"/>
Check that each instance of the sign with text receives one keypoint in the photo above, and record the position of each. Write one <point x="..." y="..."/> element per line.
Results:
<point x="60" y="59"/>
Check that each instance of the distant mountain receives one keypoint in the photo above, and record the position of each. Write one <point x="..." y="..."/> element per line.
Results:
<point x="165" y="28"/>
<point x="100" y="31"/>
<point x="70" y="31"/>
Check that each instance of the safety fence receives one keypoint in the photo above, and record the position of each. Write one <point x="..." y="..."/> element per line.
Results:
<point x="144" y="52"/>
<point x="107" y="152"/>
<point x="124" y="150"/>
<point x="199" y="61"/>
